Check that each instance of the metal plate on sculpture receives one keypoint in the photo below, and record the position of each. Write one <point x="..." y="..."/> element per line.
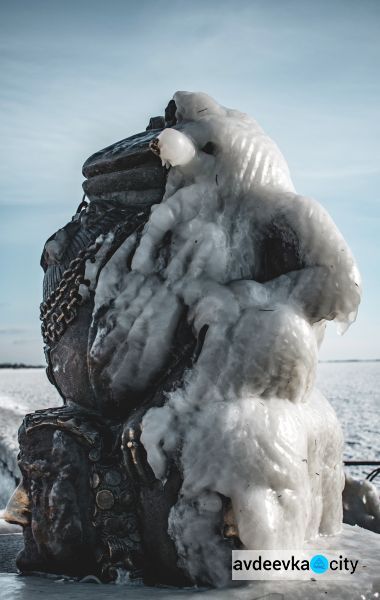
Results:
<point x="105" y="499"/>
<point x="125" y="154"/>
<point x="112" y="477"/>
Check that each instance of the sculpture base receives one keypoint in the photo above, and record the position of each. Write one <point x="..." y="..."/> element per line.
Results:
<point x="75" y="500"/>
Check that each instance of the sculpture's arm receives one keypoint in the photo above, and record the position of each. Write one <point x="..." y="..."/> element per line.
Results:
<point x="313" y="289"/>
<point x="326" y="284"/>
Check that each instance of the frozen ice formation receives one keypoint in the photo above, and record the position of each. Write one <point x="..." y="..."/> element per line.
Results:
<point x="260" y="270"/>
<point x="361" y="504"/>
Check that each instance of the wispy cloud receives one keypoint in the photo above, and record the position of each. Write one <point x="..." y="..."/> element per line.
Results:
<point x="13" y="331"/>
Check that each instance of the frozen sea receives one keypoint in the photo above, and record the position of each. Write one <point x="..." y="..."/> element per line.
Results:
<point x="353" y="390"/>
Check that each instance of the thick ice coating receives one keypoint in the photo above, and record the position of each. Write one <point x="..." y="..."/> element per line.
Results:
<point x="259" y="270"/>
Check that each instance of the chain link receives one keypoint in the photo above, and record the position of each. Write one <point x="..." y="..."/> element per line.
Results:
<point x="61" y="307"/>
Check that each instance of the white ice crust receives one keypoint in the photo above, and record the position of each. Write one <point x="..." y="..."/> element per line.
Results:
<point x="247" y="422"/>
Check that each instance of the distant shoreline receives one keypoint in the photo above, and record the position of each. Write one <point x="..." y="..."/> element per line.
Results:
<point x="20" y="366"/>
<point x="351" y="360"/>
<point x="338" y="360"/>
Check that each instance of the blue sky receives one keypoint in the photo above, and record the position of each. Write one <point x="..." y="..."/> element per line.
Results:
<point x="77" y="76"/>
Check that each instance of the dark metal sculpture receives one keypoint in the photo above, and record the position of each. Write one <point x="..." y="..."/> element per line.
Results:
<point x="88" y="501"/>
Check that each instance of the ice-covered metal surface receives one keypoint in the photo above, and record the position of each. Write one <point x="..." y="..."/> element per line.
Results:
<point x="198" y="327"/>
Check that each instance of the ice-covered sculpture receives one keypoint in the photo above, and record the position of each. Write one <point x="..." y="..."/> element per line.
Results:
<point x="198" y="345"/>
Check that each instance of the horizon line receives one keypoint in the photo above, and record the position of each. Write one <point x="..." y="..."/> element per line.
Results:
<point x="21" y="365"/>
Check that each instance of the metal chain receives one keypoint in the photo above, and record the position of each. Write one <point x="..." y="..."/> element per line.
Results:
<point x="61" y="307"/>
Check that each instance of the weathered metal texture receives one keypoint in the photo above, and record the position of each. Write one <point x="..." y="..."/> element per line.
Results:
<point x="81" y="503"/>
<point x="93" y="504"/>
<point x="126" y="172"/>
<point x="120" y="212"/>
<point x="137" y="179"/>
<point x="135" y="197"/>
<point x="126" y="154"/>
<point x="85" y="508"/>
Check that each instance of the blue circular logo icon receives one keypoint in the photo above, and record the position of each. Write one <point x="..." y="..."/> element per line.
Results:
<point x="319" y="563"/>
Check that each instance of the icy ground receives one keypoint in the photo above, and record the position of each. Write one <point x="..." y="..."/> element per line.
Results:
<point x="347" y="386"/>
<point x="355" y="542"/>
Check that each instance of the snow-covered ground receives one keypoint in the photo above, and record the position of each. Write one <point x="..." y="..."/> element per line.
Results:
<point x="352" y="388"/>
